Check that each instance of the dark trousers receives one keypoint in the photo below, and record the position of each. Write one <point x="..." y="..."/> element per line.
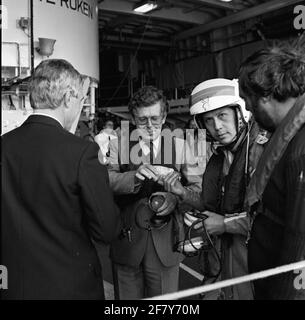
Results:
<point x="149" y="279"/>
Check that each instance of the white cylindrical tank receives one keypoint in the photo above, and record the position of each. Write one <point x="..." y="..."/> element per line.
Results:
<point x="72" y="23"/>
<point x="74" y="26"/>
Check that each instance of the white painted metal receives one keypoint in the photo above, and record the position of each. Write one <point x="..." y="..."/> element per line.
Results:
<point x="75" y="32"/>
<point x="74" y="26"/>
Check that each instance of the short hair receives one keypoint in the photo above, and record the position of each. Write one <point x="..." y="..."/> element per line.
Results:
<point x="278" y="72"/>
<point x="50" y="81"/>
<point x="147" y="96"/>
<point x="107" y="121"/>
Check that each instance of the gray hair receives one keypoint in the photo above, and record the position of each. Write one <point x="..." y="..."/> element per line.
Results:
<point x="51" y="80"/>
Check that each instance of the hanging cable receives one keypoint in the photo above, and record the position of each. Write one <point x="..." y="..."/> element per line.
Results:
<point x="132" y="61"/>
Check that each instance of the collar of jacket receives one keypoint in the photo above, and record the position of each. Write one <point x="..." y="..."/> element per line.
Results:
<point x="274" y="151"/>
<point x="42" y="119"/>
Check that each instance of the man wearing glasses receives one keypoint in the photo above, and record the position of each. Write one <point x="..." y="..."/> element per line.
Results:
<point x="144" y="262"/>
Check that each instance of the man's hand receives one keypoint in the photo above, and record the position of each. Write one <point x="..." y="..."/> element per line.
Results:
<point x="169" y="203"/>
<point x="189" y="219"/>
<point x="214" y="224"/>
<point x="147" y="171"/>
<point x="172" y="184"/>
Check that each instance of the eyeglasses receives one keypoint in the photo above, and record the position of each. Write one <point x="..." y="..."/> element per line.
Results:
<point x="155" y="120"/>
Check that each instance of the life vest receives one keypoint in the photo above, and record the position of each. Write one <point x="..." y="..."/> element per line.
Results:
<point x="225" y="194"/>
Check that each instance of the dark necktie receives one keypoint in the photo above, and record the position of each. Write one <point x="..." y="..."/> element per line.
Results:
<point x="151" y="153"/>
<point x="108" y="151"/>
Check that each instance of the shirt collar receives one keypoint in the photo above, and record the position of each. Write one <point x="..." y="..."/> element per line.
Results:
<point x="145" y="147"/>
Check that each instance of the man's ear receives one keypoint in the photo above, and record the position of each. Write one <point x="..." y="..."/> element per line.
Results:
<point x="263" y="101"/>
<point x="86" y="84"/>
<point x="67" y="99"/>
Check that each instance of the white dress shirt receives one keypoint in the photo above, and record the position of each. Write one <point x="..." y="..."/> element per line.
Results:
<point x="145" y="148"/>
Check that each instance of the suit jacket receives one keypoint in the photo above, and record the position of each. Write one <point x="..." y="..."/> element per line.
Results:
<point x="122" y="183"/>
<point x="55" y="201"/>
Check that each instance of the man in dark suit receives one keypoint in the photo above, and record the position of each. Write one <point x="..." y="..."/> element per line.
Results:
<point x="144" y="261"/>
<point x="55" y="195"/>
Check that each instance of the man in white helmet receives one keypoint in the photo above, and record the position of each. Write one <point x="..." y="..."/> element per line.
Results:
<point x="218" y="108"/>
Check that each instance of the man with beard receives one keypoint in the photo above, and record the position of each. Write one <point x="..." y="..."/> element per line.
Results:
<point x="273" y="83"/>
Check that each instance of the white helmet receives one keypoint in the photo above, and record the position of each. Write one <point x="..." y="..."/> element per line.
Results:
<point x="217" y="93"/>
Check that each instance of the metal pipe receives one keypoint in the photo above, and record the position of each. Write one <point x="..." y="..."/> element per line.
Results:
<point x="11" y="92"/>
<point x="221" y="5"/>
<point x="32" y="35"/>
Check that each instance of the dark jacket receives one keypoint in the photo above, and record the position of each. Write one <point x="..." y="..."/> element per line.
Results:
<point x="55" y="199"/>
<point x="278" y="234"/>
<point x="133" y="201"/>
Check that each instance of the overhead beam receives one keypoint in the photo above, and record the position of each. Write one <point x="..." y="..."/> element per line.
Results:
<point x="221" y="5"/>
<point x="117" y="22"/>
<point x="144" y="41"/>
<point x="128" y="48"/>
<point x="151" y="30"/>
<point x="216" y="13"/>
<point x="174" y="14"/>
<point x="177" y="106"/>
<point x="237" y="17"/>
